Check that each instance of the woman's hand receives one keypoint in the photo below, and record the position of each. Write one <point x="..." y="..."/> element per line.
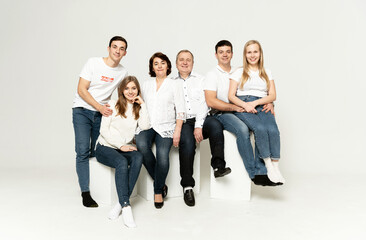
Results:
<point x="176" y="138"/>
<point x="249" y="107"/>
<point x="128" y="148"/>
<point x="138" y="100"/>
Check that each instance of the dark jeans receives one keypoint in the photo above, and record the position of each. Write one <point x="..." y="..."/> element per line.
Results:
<point x="86" y="127"/>
<point x="212" y="129"/>
<point x="158" y="167"/>
<point x="125" y="176"/>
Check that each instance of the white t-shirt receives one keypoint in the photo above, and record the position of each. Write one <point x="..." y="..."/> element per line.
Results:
<point x="255" y="86"/>
<point x="218" y="80"/>
<point x="103" y="81"/>
<point x="164" y="106"/>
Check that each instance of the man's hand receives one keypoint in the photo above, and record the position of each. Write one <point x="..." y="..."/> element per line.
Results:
<point x="269" y="107"/>
<point x="128" y="148"/>
<point x="176" y="138"/>
<point x="105" y="110"/>
<point x="238" y="109"/>
<point x="198" y="134"/>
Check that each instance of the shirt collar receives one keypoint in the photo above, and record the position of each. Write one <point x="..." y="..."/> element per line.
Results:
<point x="192" y="74"/>
<point x="221" y="70"/>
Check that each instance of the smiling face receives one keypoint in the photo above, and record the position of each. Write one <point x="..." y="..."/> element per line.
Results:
<point x="160" y="67"/>
<point x="184" y="63"/>
<point x="253" y="54"/>
<point x="130" y="91"/>
<point x="117" y="51"/>
<point x="224" y="55"/>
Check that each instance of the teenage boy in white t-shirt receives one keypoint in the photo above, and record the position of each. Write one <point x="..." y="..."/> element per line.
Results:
<point x="216" y="88"/>
<point x="98" y="79"/>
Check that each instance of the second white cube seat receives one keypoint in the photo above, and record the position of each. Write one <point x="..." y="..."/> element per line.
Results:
<point x="237" y="184"/>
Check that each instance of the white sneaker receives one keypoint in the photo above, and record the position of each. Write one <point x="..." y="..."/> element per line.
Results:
<point x="128" y="217"/>
<point x="115" y="212"/>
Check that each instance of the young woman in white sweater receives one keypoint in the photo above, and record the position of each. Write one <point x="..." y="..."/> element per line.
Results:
<point x="115" y="146"/>
<point x="251" y="87"/>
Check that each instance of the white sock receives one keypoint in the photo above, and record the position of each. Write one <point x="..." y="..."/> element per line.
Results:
<point x="187" y="188"/>
<point x="271" y="172"/>
<point x="115" y="212"/>
<point x="128" y="217"/>
<point x="277" y="170"/>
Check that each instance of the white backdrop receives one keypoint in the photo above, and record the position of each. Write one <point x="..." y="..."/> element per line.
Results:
<point x="315" y="49"/>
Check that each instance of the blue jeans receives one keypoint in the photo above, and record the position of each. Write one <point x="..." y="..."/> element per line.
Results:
<point x="125" y="176"/>
<point x="212" y="129"/>
<point x="231" y="123"/>
<point x="86" y="127"/>
<point x="266" y="133"/>
<point x="158" y="167"/>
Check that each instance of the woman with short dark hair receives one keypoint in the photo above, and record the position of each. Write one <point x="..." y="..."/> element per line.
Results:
<point x="165" y="104"/>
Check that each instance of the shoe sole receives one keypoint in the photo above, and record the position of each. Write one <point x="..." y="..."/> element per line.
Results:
<point x="223" y="174"/>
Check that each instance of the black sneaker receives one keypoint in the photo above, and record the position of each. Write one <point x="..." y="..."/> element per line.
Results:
<point x="220" y="172"/>
<point x="263" y="180"/>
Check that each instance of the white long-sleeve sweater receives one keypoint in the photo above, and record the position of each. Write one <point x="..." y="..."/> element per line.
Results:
<point x="117" y="131"/>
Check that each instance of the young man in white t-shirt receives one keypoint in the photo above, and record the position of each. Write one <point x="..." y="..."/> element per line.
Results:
<point x="98" y="79"/>
<point x="216" y="88"/>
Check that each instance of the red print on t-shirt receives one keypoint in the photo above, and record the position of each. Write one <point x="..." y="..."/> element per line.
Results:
<point x="106" y="79"/>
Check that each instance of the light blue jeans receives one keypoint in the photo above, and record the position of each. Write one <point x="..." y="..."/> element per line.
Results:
<point x="86" y="128"/>
<point x="266" y="133"/>
<point x="231" y="123"/>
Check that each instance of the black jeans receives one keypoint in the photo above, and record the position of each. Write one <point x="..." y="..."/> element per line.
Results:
<point x="213" y="130"/>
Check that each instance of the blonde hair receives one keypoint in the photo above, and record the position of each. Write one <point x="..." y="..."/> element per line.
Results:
<point x="262" y="72"/>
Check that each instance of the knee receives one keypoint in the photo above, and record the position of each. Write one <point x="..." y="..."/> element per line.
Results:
<point x="122" y="165"/>
<point x="243" y="131"/>
<point x="260" y="129"/>
<point x="142" y="145"/>
<point x="138" y="159"/>
<point x="187" y="144"/>
<point x="82" y="151"/>
<point x="273" y="131"/>
<point x="212" y="124"/>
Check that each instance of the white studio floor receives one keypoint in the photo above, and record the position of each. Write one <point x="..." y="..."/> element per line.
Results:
<point x="45" y="204"/>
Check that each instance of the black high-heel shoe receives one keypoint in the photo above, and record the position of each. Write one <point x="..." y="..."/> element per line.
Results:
<point x="165" y="191"/>
<point x="158" y="205"/>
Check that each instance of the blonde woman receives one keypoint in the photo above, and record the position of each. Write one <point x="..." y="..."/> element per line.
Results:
<point x="252" y="86"/>
<point x="115" y="146"/>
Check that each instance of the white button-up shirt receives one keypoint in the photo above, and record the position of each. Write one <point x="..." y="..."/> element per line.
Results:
<point x="164" y="106"/>
<point x="218" y="80"/>
<point x="194" y="98"/>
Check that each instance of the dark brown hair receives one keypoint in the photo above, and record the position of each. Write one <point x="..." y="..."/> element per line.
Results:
<point x="117" y="38"/>
<point x="121" y="105"/>
<point x="162" y="56"/>
<point x="223" y="43"/>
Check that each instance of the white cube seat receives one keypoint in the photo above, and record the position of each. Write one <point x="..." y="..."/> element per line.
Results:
<point x="102" y="183"/>
<point x="237" y="184"/>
